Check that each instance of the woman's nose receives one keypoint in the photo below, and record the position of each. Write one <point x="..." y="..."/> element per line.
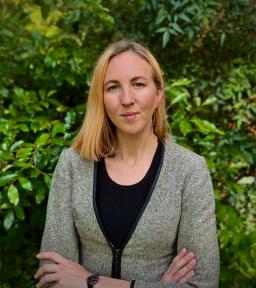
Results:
<point x="127" y="97"/>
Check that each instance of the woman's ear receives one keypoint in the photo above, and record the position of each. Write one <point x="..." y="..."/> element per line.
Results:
<point x="159" y="96"/>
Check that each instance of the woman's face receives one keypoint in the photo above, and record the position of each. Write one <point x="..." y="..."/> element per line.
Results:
<point x="130" y="94"/>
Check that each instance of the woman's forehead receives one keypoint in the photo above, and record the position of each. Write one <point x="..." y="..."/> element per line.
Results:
<point x="127" y="64"/>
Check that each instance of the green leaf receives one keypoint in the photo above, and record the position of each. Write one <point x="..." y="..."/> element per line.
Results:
<point x="47" y="180"/>
<point x="197" y="101"/>
<point x="24" y="152"/>
<point x="19" y="211"/>
<point x="4" y="92"/>
<point x="9" y="219"/>
<point x="16" y="145"/>
<point x="182" y="96"/>
<point x="161" y="30"/>
<point x="25" y="183"/>
<point x="205" y="126"/>
<point x="209" y="101"/>
<point x="222" y="38"/>
<point x="6" y="156"/>
<point x="246" y="180"/>
<point x="166" y="38"/>
<point x="23" y="127"/>
<point x="62" y="108"/>
<point x="13" y="195"/>
<point x="40" y="195"/>
<point x="58" y="128"/>
<point x="51" y="92"/>
<point x="181" y="82"/>
<point x="185" y="127"/>
<point x="42" y="139"/>
<point x="23" y="164"/>
<point x="184" y="17"/>
<point x="161" y="15"/>
<point x="70" y="118"/>
<point x="7" y="178"/>
<point x="45" y="9"/>
<point x="177" y="28"/>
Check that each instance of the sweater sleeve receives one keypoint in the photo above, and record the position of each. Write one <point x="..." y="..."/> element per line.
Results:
<point x="59" y="232"/>
<point x="197" y="229"/>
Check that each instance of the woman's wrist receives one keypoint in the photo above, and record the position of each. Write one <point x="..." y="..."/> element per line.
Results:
<point x="107" y="282"/>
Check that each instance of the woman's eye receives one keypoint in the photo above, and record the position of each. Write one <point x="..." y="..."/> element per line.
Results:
<point x="139" y="84"/>
<point x="112" y="88"/>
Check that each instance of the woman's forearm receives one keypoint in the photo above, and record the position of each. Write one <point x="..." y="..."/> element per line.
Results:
<point x="107" y="282"/>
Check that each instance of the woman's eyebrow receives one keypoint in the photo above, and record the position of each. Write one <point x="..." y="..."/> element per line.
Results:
<point x="138" y="77"/>
<point x="131" y="80"/>
<point x="111" y="81"/>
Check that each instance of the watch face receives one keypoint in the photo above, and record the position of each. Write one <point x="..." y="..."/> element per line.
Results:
<point x="92" y="280"/>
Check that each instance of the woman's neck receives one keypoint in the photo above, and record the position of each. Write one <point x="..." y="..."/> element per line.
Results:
<point x="134" y="149"/>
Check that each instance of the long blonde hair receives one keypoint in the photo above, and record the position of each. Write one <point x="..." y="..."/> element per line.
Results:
<point x="96" y="138"/>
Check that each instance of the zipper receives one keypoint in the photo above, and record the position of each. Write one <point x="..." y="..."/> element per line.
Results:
<point x="116" y="263"/>
<point x="117" y="253"/>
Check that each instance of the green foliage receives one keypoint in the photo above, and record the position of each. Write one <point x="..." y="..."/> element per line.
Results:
<point x="47" y="52"/>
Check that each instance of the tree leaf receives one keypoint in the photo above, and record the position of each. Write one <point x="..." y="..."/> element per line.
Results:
<point x="6" y="156"/>
<point x="246" y="180"/>
<point x="180" y="97"/>
<point x="161" y="15"/>
<point x="45" y="9"/>
<point x="47" y="180"/>
<point x="40" y="195"/>
<point x="58" y="128"/>
<point x="42" y="139"/>
<point x="25" y="183"/>
<point x="13" y="195"/>
<point x="24" y="152"/>
<point x="16" y="145"/>
<point x="177" y="28"/>
<point x="9" y="219"/>
<point x="209" y="101"/>
<point x="7" y="178"/>
<point x="222" y="38"/>
<point x="19" y="211"/>
<point x="205" y="126"/>
<point x="70" y="118"/>
<point x="185" y="127"/>
<point x="166" y="38"/>
<point x="23" y="127"/>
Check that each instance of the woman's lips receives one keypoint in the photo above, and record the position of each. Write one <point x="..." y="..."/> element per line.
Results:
<point x="130" y="115"/>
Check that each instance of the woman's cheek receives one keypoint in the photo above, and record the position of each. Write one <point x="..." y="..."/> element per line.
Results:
<point x="111" y="105"/>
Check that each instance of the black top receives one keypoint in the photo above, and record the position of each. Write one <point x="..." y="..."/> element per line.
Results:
<point x="120" y="205"/>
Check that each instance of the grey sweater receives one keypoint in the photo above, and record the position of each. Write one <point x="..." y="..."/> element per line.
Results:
<point x="180" y="213"/>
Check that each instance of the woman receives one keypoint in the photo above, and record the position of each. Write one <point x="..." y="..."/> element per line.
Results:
<point x="127" y="203"/>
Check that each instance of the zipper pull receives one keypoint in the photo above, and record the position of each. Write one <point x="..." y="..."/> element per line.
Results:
<point x="116" y="263"/>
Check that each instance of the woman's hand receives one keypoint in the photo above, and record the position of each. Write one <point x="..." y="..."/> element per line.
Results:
<point x="181" y="268"/>
<point x="63" y="272"/>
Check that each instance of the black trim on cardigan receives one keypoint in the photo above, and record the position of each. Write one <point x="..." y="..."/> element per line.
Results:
<point x="117" y="253"/>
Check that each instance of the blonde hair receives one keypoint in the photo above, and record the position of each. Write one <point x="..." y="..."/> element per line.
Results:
<point x="96" y="138"/>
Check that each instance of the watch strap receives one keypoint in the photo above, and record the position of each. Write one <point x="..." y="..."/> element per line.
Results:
<point x="92" y="280"/>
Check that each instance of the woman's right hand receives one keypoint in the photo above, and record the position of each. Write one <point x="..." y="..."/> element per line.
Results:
<point x="181" y="268"/>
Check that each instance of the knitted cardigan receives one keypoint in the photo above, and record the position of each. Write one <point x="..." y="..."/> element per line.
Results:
<point x="180" y="212"/>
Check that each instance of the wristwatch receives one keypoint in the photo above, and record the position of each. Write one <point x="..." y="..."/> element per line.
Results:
<point x="92" y="280"/>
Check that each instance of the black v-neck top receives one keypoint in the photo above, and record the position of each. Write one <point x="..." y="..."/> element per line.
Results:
<point x="120" y="205"/>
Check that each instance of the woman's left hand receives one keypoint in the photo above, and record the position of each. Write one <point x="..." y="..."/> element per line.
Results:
<point x="63" y="272"/>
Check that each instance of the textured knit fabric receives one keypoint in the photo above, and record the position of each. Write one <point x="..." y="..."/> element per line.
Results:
<point x="180" y="213"/>
<point x="120" y="205"/>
